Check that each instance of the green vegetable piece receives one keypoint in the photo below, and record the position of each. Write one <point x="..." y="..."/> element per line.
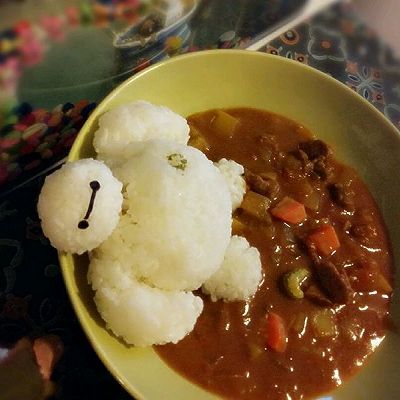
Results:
<point x="293" y="280"/>
<point x="177" y="161"/>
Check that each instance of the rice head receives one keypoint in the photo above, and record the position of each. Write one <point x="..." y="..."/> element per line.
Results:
<point x="65" y="199"/>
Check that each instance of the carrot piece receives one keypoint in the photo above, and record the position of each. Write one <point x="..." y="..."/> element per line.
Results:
<point x="324" y="239"/>
<point x="289" y="210"/>
<point x="276" y="335"/>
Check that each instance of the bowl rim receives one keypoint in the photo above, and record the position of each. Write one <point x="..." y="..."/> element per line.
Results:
<point x="223" y="53"/>
<point x="73" y="155"/>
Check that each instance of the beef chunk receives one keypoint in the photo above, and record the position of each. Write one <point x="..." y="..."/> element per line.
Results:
<point x="265" y="186"/>
<point x="314" y="149"/>
<point x="301" y="155"/>
<point x="323" y="168"/>
<point x="334" y="283"/>
<point x="315" y="295"/>
<point x="311" y="251"/>
<point x="315" y="156"/>
<point x="341" y="196"/>
<point x="306" y="164"/>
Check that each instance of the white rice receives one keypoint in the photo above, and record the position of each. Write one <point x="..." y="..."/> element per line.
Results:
<point x="180" y="218"/>
<point x="64" y="200"/>
<point x="139" y="314"/>
<point x="239" y="275"/>
<point x="173" y="234"/>
<point x="137" y="122"/>
<point x="232" y="172"/>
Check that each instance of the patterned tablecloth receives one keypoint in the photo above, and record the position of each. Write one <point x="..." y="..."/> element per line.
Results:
<point x="33" y="299"/>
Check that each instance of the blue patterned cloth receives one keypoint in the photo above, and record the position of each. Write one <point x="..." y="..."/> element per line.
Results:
<point x="339" y="43"/>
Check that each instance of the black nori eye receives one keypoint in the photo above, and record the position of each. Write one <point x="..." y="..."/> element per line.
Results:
<point x="95" y="186"/>
<point x="83" y="224"/>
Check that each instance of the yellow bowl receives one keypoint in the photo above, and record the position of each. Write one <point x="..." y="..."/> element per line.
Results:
<point x="360" y="134"/>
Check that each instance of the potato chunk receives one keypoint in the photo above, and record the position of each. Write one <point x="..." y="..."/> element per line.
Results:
<point x="225" y="124"/>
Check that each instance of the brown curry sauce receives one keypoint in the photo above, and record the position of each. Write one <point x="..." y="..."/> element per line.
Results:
<point x="227" y="353"/>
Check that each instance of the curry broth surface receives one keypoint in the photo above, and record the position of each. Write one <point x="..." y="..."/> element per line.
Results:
<point x="226" y="353"/>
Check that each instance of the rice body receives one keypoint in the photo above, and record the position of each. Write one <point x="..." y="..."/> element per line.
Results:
<point x="180" y="215"/>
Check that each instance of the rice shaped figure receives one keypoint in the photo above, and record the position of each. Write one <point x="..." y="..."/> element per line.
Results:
<point x="79" y="205"/>
<point x="179" y="210"/>
<point x="141" y="315"/>
<point x="239" y="275"/>
<point x="136" y="122"/>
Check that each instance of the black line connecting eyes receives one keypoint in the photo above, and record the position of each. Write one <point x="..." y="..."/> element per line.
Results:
<point x="95" y="186"/>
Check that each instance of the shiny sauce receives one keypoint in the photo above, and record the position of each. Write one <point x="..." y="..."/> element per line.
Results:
<point x="327" y="342"/>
